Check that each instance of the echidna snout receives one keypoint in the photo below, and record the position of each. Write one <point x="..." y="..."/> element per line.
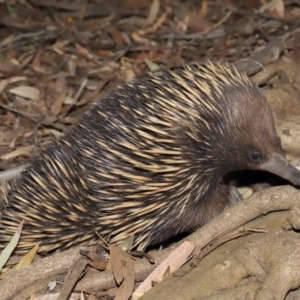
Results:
<point x="148" y="161"/>
<point x="255" y="144"/>
<point x="278" y="165"/>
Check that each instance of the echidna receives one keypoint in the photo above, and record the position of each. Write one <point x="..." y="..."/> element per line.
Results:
<point x="147" y="160"/>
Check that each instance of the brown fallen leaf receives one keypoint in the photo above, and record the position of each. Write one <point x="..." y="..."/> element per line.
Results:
<point x="25" y="91"/>
<point x="153" y="12"/>
<point x="174" y="261"/>
<point x="72" y="278"/>
<point x="274" y="5"/>
<point x="58" y="103"/>
<point x="117" y="36"/>
<point x="5" y="82"/>
<point x="124" y="272"/>
<point x="98" y="265"/>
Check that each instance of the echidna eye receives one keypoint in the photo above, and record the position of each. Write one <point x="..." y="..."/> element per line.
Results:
<point x="255" y="156"/>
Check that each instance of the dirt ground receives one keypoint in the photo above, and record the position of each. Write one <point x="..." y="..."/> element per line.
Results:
<point x="58" y="57"/>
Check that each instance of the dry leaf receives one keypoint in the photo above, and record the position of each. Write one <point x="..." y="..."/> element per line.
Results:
<point x="123" y="270"/>
<point x="5" y="82"/>
<point x="174" y="261"/>
<point x="146" y="42"/>
<point x="153" y="67"/>
<point x="203" y="11"/>
<point x="36" y="64"/>
<point x="274" y="5"/>
<point x="129" y="74"/>
<point x="60" y="82"/>
<point x="26" y="91"/>
<point x="153" y="12"/>
<point x="6" y="253"/>
<point x="28" y="258"/>
<point x="98" y="265"/>
<point x="21" y="151"/>
<point x="58" y="103"/>
<point x="117" y="36"/>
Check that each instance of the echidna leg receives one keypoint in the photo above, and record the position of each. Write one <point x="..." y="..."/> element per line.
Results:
<point x="224" y="196"/>
<point x="235" y="195"/>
